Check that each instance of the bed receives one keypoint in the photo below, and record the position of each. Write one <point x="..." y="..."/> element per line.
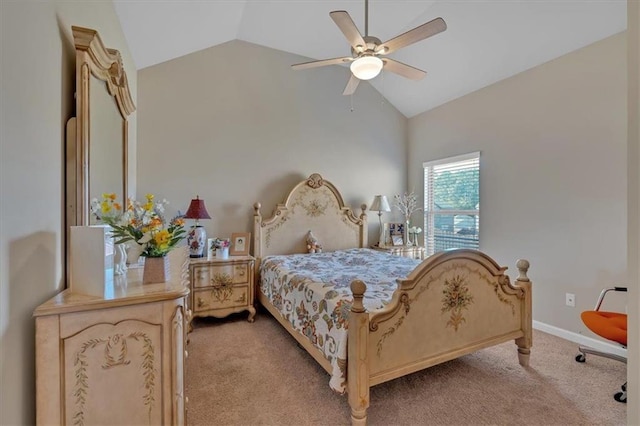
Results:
<point x="368" y="317"/>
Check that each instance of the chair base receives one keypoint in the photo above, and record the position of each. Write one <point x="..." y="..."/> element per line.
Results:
<point x="581" y="357"/>
<point x="621" y="396"/>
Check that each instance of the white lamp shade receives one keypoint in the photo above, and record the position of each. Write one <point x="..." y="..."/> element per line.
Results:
<point x="380" y="204"/>
<point x="366" y="67"/>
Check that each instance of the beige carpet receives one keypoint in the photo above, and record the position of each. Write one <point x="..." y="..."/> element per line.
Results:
<point x="255" y="374"/>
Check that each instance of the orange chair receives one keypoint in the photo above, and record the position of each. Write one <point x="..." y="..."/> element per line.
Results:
<point x="611" y="326"/>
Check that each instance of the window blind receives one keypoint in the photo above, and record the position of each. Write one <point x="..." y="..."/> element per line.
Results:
<point x="452" y="203"/>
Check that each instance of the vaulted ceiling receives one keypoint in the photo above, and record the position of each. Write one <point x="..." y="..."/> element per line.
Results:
<point x="486" y="40"/>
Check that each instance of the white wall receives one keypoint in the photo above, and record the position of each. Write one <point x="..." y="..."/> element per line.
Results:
<point x="235" y="125"/>
<point x="38" y="80"/>
<point x="553" y="172"/>
<point x="633" y="368"/>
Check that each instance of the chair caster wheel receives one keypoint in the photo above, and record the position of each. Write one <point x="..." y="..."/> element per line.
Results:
<point x="581" y="358"/>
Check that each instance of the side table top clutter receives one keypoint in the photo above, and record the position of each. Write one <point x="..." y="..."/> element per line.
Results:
<point x="414" y="252"/>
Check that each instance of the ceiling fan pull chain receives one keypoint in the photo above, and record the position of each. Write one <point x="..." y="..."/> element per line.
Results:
<point x="382" y="90"/>
<point x="351" y="99"/>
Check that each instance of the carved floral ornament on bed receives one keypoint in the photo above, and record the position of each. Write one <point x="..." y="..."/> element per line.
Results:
<point x="456" y="297"/>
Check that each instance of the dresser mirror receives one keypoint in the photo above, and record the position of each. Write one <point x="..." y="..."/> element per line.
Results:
<point x="97" y="136"/>
<point x="107" y="141"/>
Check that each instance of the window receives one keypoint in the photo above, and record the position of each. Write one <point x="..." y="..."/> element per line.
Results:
<point x="452" y="203"/>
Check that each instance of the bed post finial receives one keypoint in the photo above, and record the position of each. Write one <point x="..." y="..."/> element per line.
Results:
<point x="256" y="209"/>
<point x="523" y="267"/>
<point x="358" y="288"/>
<point x="364" y="210"/>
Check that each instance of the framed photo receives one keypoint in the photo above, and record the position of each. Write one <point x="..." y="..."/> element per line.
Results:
<point x="393" y="230"/>
<point x="397" y="240"/>
<point x="240" y="244"/>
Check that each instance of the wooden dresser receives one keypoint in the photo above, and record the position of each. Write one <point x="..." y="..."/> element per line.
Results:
<point x="220" y="287"/>
<point x="117" y="359"/>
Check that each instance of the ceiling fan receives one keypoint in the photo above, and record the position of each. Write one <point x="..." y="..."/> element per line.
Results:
<point x="368" y="52"/>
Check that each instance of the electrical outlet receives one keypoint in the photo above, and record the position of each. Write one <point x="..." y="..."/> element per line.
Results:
<point x="571" y="300"/>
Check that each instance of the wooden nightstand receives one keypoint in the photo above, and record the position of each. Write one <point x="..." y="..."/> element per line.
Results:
<point x="414" y="252"/>
<point x="222" y="287"/>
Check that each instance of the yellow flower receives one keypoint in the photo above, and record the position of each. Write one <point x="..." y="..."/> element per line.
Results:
<point x="105" y="206"/>
<point x="162" y="239"/>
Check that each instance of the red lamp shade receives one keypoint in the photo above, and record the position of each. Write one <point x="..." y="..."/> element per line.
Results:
<point x="197" y="210"/>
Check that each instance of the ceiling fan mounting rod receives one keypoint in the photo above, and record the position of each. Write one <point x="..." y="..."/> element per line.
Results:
<point x="366" y="18"/>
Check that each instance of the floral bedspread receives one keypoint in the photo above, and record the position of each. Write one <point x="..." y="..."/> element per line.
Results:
<point x="312" y="292"/>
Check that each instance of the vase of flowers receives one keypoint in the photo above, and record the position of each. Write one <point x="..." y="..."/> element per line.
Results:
<point x="142" y="224"/>
<point x="222" y="247"/>
<point x="407" y="203"/>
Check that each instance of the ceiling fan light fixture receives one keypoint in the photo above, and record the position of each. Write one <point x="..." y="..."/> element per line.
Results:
<point x="366" y="67"/>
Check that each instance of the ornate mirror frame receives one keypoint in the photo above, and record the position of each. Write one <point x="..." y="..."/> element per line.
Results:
<point x="92" y="59"/>
<point x="95" y="65"/>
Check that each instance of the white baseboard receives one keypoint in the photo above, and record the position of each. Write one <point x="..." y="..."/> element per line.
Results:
<point x="580" y="339"/>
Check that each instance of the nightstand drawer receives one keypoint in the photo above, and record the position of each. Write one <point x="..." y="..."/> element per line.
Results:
<point x="220" y="297"/>
<point x="207" y="276"/>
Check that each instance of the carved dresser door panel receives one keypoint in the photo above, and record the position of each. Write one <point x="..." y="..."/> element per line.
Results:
<point x="105" y="357"/>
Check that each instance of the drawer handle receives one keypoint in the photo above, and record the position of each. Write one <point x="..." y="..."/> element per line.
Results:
<point x="201" y="302"/>
<point x="241" y="271"/>
<point x="241" y="299"/>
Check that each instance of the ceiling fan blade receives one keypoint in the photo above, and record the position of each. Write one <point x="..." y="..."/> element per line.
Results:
<point x="321" y="63"/>
<point x="429" y="29"/>
<point x="403" y="69"/>
<point x="349" y="29"/>
<point x="352" y="85"/>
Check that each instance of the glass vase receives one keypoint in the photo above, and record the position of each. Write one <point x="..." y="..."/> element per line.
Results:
<point x="407" y="242"/>
<point x="222" y="253"/>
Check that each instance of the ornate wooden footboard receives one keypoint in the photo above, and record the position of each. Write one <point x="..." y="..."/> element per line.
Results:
<point x="452" y="304"/>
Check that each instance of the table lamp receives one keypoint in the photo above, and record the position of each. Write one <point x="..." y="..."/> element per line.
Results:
<point x="197" y="237"/>
<point x="380" y="204"/>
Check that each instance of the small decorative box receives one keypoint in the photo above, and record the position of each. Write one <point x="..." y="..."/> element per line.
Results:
<point x="91" y="260"/>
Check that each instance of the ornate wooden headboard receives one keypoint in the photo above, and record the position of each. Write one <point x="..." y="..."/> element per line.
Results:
<point x="312" y="205"/>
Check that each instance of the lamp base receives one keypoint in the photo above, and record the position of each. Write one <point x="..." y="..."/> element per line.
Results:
<point x="381" y="238"/>
<point x="197" y="241"/>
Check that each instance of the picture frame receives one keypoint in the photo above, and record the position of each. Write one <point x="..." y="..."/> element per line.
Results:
<point x="393" y="230"/>
<point x="211" y="250"/>
<point x="240" y="244"/>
